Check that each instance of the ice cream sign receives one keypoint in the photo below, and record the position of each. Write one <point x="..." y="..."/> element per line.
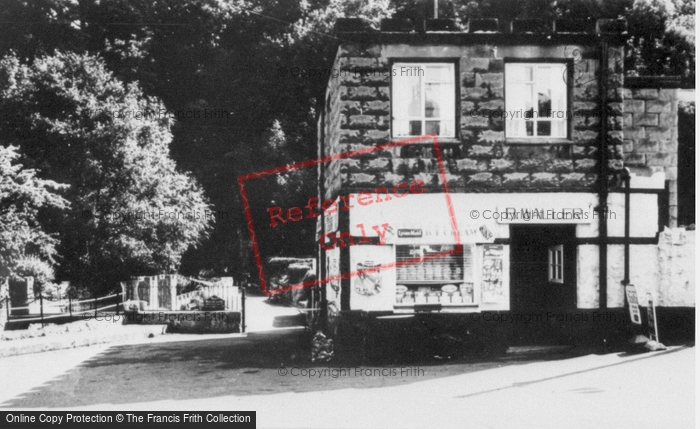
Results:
<point x="467" y="234"/>
<point x="635" y="314"/>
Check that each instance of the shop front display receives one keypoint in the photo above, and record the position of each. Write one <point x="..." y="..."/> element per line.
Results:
<point x="428" y="274"/>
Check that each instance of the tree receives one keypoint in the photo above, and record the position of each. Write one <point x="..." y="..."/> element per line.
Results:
<point x="133" y="212"/>
<point x="662" y="38"/>
<point x="212" y="55"/>
<point x="25" y="247"/>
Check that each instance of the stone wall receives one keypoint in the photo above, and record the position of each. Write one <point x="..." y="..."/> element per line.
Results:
<point x="332" y="137"/>
<point x="651" y="136"/>
<point x="667" y="270"/>
<point x="676" y="259"/>
<point x="482" y="160"/>
<point x="21" y="293"/>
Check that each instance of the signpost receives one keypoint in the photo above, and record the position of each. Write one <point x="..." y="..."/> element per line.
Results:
<point x="651" y="317"/>
<point x="635" y="314"/>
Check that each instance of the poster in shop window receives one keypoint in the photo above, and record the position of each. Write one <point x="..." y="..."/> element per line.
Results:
<point x="492" y="274"/>
<point x="333" y="273"/>
<point x="368" y="281"/>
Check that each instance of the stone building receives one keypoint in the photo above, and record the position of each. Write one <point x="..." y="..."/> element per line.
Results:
<point x="497" y="170"/>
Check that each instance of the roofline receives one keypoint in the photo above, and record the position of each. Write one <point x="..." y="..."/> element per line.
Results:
<point x="449" y="38"/>
<point x="475" y="31"/>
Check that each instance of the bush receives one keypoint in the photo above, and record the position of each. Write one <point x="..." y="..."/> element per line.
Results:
<point x="32" y="266"/>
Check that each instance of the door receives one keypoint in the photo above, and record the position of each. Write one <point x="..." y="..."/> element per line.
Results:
<point x="543" y="274"/>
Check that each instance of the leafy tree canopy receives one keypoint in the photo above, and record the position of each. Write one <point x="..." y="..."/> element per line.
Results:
<point x="133" y="212"/>
<point x="23" y="241"/>
<point x="200" y="56"/>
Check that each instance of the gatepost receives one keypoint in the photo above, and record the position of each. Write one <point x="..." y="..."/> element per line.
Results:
<point x="153" y="292"/>
<point x="172" y="283"/>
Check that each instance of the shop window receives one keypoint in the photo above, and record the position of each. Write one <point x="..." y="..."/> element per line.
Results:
<point x="423" y="99"/>
<point x="422" y="278"/>
<point x="536" y="100"/>
<point x="556" y="264"/>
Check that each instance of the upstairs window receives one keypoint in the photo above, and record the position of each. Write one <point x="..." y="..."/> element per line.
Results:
<point x="423" y="99"/>
<point x="536" y="100"/>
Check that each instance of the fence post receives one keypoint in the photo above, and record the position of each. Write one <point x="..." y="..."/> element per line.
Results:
<point x="70" y="307"/>
<point x="8" y="302"/>
<point x="172" y="283"/>
<point x="119" y="294"/>
<point x="243" y="310"/>
<point x="95" y="306"/>
<point x="41" y="307"/>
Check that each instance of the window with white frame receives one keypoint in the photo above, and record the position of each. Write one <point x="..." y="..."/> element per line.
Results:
<point x="423" y="99"/>
<point x="536" y="100"/>
<point x="556" y="264"/>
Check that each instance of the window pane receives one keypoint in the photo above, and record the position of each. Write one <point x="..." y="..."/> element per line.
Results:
<point x="437" y="95"/>
<point x="519" y="103"/>
<point x="559" y="129"/>
<point x="432" y="127"/>
<point x="447" y="128"/>
<point x="413" y="107"/>
<point x="558" y="97"/>
<point x="553" y="80"/>
<point x="519" y="98"/>
<point x="438" y="73"/>
<point x="544" y="103"/>
<point x="415" y="127"/>
<point x="422" y="91"/>
<point x="406" y="94"/>
<point x="440" y="103"/>
<point x="529" y="128"/>
<point x="518" y="73"/>
<point x="515" y="128"/>
<point x="400" y="127"/>
<point x="544" y="91"/>
<point x="536" y="92"/>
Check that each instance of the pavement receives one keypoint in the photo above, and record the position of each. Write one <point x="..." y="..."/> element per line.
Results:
<point x="52" y="342"/>
<point x="262" y="371"/>
<point x="585" y="392"/>
<point x="257" y="372"/>
<point x="263" y="315"/>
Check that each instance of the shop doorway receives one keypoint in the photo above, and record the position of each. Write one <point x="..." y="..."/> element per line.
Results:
<point x="543" y="276"/>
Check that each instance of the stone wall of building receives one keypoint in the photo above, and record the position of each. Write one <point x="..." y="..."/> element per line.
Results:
<point x="481" y="159"/>
<point x="676" y="260"/>
<point x="666" y="270"/>
<point x="651" y="136"/>
<point x="332" y="134"/>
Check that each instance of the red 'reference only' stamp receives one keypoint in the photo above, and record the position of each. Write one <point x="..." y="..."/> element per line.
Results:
<point x="315" y="207"/>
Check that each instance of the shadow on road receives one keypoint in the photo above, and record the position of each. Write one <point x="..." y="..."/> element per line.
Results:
<point x="234" y="366"/>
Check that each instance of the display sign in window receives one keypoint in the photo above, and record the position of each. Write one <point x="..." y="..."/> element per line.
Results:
<point x="435" y="278"/>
